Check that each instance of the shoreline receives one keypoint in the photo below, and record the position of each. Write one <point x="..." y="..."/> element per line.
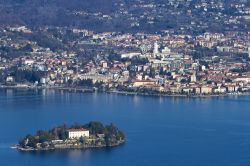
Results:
<point x="92" y="90"/>
<point x="30" y="149"/>
<point x="178" y="95"/>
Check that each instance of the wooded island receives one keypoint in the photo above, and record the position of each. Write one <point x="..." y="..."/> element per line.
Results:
<point x="77" y="136"/>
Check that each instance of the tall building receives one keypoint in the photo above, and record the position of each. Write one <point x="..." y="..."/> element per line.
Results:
<point x="156" y="49"/>
<point x="193" y="78"/>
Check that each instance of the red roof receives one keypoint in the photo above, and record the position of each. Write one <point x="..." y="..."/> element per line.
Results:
<point x="76" y="130"/>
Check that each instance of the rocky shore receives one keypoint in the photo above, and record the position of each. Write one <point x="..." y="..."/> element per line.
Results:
<point x="65" y="147"/>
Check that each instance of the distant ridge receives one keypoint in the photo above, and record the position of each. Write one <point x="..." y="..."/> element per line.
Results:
<point x="123" y="14"/>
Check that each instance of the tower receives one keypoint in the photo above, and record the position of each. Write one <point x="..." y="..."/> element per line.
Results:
<point x="193" y="77"/>
<point x="156" y="48"/>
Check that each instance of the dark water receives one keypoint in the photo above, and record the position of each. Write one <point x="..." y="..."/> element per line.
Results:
<point x="160" y="131"/>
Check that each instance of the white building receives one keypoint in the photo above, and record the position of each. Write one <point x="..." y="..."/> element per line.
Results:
<point x="43" y="80"/>
<point x="10" y="79"/>
<point x="193" y="78"/>
<point x="156" y="49"/>
<point x="28" y="62"/>
<point x="78" y="133"/>
<point x="166" y="50"/>
<point x="130" y="55"/>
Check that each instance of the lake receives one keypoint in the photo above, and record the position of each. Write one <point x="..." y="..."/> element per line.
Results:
<point x="160" y="131"/>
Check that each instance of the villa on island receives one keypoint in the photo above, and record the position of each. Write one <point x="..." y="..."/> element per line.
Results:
<point x="78" y="133"/>
<point x="95" y="135"/>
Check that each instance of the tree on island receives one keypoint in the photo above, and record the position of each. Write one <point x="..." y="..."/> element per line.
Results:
<point x="108" y="135"/>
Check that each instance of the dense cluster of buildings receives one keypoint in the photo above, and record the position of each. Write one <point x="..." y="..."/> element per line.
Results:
<point x="211" y="63"/>
<point x="196" y="47"/>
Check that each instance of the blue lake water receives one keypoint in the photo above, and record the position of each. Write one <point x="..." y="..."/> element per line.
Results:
<point x="160" y="131"/>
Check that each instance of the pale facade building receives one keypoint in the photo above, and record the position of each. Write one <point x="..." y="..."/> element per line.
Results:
<point x="206" y="89"/>
<point x="156" y="49"/>
<point x="10" y="79"/>
<point x="193" y="78"/>
<point x="78" y="133"/>
<point x="139" y="83"/>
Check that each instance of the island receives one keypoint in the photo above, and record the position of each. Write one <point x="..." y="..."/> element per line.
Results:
<point x="77" y="136"/>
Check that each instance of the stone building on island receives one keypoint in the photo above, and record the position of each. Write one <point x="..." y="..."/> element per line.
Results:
<point x="78" y="133"/>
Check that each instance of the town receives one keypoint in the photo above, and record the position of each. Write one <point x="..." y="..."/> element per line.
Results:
<point x="179" y="60"/>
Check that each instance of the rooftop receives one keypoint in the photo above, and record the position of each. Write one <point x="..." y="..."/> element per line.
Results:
<point x="77" y="130"/>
